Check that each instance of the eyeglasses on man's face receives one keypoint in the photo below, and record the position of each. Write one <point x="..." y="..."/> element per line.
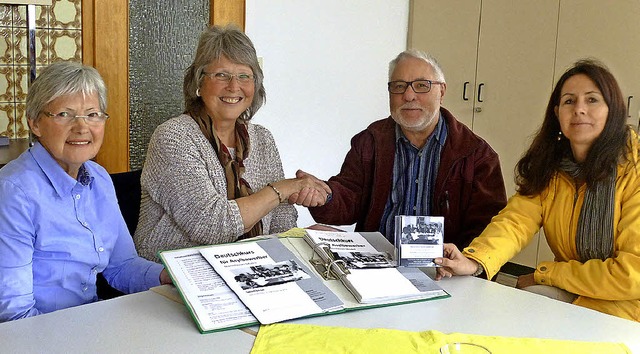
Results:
<point x="418" y="86"/>
<point x="242" y="78"/>
<point x="66" y="118"/>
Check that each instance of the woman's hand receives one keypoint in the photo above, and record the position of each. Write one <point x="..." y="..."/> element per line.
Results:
<point x="314" y="192"/>
<point x="454" y="263"/>
<point x="165" y="278"/>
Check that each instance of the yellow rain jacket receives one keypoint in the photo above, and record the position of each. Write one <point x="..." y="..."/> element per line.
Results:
<point x="611" y="286"/>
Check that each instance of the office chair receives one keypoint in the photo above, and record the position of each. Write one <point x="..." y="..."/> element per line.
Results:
<point x="127" y="186"/>
<point x="128" y="192"/>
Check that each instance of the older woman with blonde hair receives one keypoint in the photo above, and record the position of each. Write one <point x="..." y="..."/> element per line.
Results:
<point x="60" y="224"/>
<point x="210" y="176"/>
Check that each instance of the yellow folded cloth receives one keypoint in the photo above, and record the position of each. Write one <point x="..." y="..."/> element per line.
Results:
<point x="294" y="232"/>
<point x="294" y="338"/>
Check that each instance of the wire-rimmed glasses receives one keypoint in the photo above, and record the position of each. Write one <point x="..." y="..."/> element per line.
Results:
<point x="66" y="118"/>
<point x="222" y="76"/>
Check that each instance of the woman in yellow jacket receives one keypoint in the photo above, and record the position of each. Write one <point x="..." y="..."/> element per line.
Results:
<point x="580" y="182"/>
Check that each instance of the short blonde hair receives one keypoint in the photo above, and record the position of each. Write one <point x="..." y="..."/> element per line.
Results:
<point x="60" y="79"/>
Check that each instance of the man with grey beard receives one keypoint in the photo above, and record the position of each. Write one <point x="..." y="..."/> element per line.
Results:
<point x="419" y="161"/>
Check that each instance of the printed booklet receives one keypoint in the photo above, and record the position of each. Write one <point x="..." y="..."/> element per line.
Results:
<point x="350" y="248"/>
<point x="213" y="305"/>
<point x="271" y="281"/>
<point x="419" y="240"/>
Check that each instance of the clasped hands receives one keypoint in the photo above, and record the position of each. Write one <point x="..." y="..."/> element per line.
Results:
<point x="311" y="192"/>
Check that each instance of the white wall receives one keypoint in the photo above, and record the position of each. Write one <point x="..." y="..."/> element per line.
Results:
<point x="326" y="67"/>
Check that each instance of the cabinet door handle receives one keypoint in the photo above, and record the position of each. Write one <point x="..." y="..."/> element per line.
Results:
<point x="464" y="91"/>
<point x="480" y="92"/>
<point x="629" y="106"/>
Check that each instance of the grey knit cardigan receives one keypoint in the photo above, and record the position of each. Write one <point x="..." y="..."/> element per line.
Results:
<point x="184" y="190"/>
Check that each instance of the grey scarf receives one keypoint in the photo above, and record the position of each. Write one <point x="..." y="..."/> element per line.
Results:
<point x="594" y="234"/>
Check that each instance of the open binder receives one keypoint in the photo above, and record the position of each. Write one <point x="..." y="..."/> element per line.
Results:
<point x="378" y="280"/>
<point x="327" y="265"/>
<point x="191" y="273"/>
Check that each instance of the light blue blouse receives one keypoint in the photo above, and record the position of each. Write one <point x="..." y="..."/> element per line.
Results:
<point x="57" y="233"/>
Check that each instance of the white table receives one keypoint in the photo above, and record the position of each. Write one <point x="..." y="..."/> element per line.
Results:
<point x="479" y="306"/>
<point x="149" y="322"/>
<point x="139" y="323"/>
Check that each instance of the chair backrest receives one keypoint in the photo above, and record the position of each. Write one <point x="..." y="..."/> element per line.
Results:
<point x="127" y="185"/>
<point x="128" y="191"/>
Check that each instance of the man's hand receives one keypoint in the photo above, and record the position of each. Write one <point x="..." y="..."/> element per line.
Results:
<point x="315" y="195"/>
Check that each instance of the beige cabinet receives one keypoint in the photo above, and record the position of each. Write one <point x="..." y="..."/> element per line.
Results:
<point x="498" y="57"/>
<point x="501" y="59"/>
<point x="448" y="29"/>
<point x="608" y="31"/>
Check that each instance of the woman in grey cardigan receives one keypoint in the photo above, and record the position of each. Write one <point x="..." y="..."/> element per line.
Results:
<point x="210" y="176"/>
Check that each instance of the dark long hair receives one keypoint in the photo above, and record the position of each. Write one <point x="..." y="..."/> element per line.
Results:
<point x="542" y="160"/>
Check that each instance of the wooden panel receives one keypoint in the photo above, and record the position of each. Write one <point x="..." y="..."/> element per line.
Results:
<point x="87" y="32"/>
<point x="227" y="11"/>
<point x="106" y="47"/>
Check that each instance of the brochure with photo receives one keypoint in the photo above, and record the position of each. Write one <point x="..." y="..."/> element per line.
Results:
<point x="213" y="305"/>
<point x="270" y="280"/>
<point x="349" y="247"/>
<point x="419" y="240"/>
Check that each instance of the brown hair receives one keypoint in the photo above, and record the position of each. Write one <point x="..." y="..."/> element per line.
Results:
<point x="542" y="160"/>
<point x="215" y="42"/>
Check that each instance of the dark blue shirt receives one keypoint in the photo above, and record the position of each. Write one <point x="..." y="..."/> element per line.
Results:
<point x="414" y="174"/>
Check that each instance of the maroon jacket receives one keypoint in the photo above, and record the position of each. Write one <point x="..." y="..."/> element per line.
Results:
<point x="469" y="188"/>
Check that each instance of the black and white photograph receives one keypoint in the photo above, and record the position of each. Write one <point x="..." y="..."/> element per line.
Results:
<point x="269" y="274"/>
<point x="422" y="231"/>
<point x="419" y="240"/>
<point x="355" y="260"/>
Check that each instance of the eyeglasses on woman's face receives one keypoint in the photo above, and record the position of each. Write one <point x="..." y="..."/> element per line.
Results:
<point x="67" y="118"/>
<point x="222" y="76"/>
